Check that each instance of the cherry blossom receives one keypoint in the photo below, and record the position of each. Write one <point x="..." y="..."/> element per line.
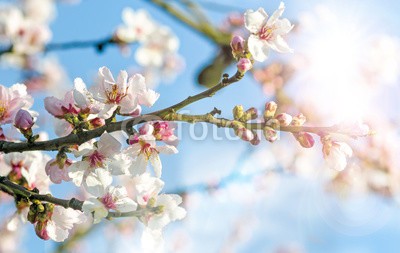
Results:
<point x="144" y="150"/>
<point x="137" y="26"/>
<point x="146" y="187"/>
<point x="58" y="173"/>
<point x="266" y="33"/>
<point x="13" y="99"/>
<point x="27" y="169"/>
<point x="31" y="38"/>
<point x="336" y="153"/>
<point x="23" y="120"/>
<point x="127" y="94"/>
<point x="59" y="108"/>
<point x="169" y="210"/>
<point x="54" y="222"/>
<point x="160" y="43"/>
<point x="102" y="155"/>
<point x="161" y="130"/>
<point x="106" y="197"/>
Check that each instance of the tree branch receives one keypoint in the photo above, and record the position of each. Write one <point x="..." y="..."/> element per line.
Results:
<point x="98" y="44"/>
<point x="82" y="137"/>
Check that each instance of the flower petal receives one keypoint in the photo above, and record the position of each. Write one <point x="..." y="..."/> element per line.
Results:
<point x="255" y="20"/>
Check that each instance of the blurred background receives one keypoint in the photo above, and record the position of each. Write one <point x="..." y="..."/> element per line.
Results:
<point x="274" y="197"/>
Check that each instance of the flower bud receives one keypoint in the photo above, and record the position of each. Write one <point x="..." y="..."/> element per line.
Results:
<point x="244" y="134"/>
<point x="256" y="140"/>
<point x="56" y="172"/>
<point x="273" y="123"/>
<point x="237" y="45"/>
<point x="244" y="65"/>
<point x="96" y="122"/>
<point x="238" y="112"/>
<point x="270" y="134"/>
<point x="270" y="110"/>
<point x="23" y="120"/>
<point x="252" y="113"/>
<point x="2" y="136"/>
<point x="284" y="119"/>
<point x="298" y="120"/>
<point x="41" y="230"/>
<point x="305" y="139"/>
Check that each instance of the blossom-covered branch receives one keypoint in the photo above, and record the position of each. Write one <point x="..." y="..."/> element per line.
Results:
<point x="82" y="137"/>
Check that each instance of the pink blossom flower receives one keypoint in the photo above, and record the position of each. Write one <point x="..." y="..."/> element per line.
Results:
<point x="58" y="108"/>
<point x="56" y="173"/>
<point x="12" y="100"/>
<point x="266" y="33"/>
<point x="161" y="130"/>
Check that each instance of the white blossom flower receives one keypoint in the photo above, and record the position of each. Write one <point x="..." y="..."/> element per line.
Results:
<point x="146" y="187"/>
<point x="336" y="154"/>
<point x="62" y="220"/>
<point x="11" y="19"/>
<point x="41" y="11"/>
<point x="106" y="197"/>
<point x="28" y="169"/>
<point x="31" y="37"/>
<point x="103" y="156"/>
<point x="266" y="33"/>
<point x="170" y="210"/>
<point x="155" y="50"/>
<point x="13" y="99"/>
<point x="126" y="93"/>
<point x="145" y="150"/>
<point x="137" y="26"/>
<point x="84" y="98"/>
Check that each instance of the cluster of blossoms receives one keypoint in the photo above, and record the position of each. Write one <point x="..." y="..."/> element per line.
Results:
<point x="265" y="34"/>
<point x="158" y="45"/>
<point x="84" y="109"/>
<point x="25" y="27"/>
<point x="101" y="161"/>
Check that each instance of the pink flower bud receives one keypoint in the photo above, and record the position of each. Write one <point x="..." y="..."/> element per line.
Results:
<point x="57" y="174"/>
<point x="96" y="122"/>
<point x="270" y="110"/>
<point x="298" y="120"/>
<point x="2" y="136"/>
<point x="146" y="129"/>
<point x="284" y="119"/>
<point x="270" y="134"/>
<point x="245" y="134"/>
<point x="256" y="140"/>
<point x="41" y="230"/>
<point x="23" y="120"/>
<point x="305" y="139"/>
<point x="252" y="112"/>
<point x="244" y="65"/>
<point x="133" y="139"/>
<point x="237" y="45"/>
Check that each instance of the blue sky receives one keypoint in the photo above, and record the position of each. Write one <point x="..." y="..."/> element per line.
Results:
<point x="295" y="211"/>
